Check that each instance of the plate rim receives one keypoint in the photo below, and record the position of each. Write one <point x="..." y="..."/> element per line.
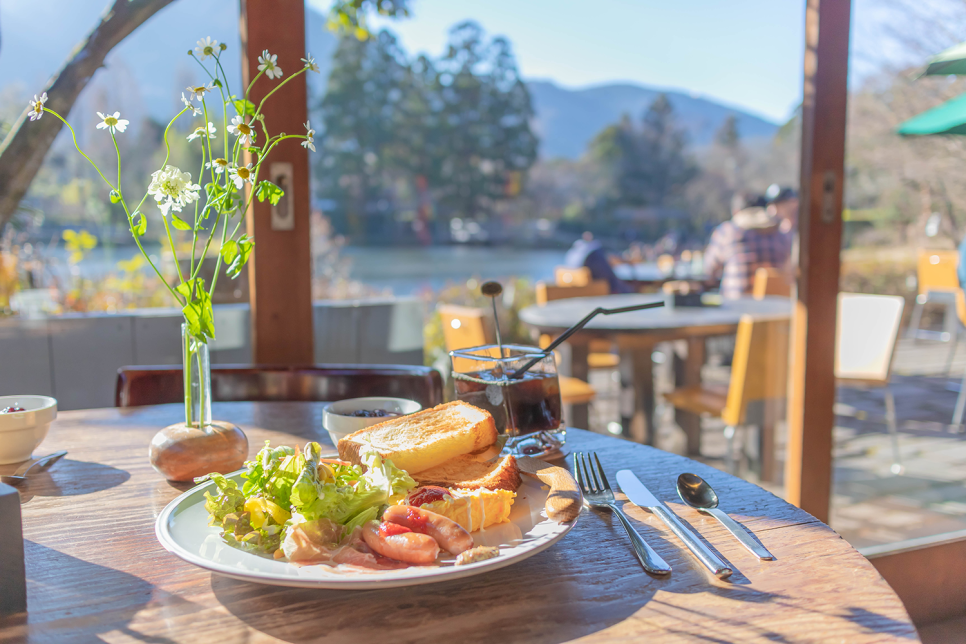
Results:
<point x="169" y="543"/>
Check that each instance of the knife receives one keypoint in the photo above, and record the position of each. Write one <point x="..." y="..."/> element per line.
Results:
<point x="642" y="497"/>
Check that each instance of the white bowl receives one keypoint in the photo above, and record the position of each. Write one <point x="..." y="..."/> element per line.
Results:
<point x="338" y="424"/>
<point x="22" y="431"/>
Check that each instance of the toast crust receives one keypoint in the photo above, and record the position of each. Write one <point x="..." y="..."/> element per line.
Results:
<point x="464" y="473"/>
<point x="425" y="439"/>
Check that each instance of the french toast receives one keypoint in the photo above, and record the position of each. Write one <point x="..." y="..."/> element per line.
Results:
<point x="426" y="439"/>
<point x="466" y="473"/>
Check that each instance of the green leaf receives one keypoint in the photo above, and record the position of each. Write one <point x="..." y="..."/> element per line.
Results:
<point x="244" y="107"/>
<point x="141" y="226"/>
<point x="229" y="251"/>
<point x="115" y="196"/>
<point x="268" y="190"/>
<point x="180" y="223"/>
<point x="198" y="314"/>
<point x="245" y="246"/>
<point x="217" y="83"/>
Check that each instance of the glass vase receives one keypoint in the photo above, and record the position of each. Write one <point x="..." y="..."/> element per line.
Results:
<point x="197" y="380"/>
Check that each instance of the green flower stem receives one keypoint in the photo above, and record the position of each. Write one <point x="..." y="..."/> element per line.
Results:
<point x="223" y="74"/>
<point x="177" y="264"/>
<point x="224" y="237"/>
<point x="167" y="153"/>
<point x="201" y="386"/>
<point x="74" y="135"/>
<point x="204" y="253"/>
<point x="278" y="87"/>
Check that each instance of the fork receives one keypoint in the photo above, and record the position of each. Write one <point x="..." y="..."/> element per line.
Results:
<point x="598" y="494"/>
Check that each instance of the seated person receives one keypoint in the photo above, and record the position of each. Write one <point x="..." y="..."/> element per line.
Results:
<point x="750" y="240"/>
<point x="587" y="252"/>
<point x="783" y="202"/>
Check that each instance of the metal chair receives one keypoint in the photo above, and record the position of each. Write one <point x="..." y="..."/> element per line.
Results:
<point x="465" y="327"/>
<point x="157" y="385"/>
<point x="867" y="331"/>
<point x="759" y="374"/>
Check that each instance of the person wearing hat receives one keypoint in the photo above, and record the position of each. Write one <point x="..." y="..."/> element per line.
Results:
<point x="783" y="202"/>
<point x="750" y="240"/>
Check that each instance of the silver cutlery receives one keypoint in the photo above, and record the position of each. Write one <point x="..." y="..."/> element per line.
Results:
<point x="642" y="497"/>
<point x="598" y="494"/>
<point x="42" y="463"/>
<point x="697" y="493"/>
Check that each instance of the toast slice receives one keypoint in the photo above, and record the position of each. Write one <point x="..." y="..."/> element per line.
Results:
<point x="467" y="473"/>
<point x="425" y="439"/>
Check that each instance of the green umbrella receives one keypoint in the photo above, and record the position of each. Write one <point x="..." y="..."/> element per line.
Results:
<point x="951" y="61"/>
<point x="948" y="118"/>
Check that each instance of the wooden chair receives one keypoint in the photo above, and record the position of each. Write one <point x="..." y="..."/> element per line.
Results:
<point x="164" y="384"/>
<point x="468" y="329"/>
<point x="565" y="276"/>
<point x="759" y="374"/>
<point x="771" y="281"/>
<point x="602" y="354"/>
<point x="867" y="330"/>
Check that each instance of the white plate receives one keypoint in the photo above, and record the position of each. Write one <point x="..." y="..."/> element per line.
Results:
<point x="182" y="528"/>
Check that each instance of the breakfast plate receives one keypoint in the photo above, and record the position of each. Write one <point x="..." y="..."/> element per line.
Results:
<point x="182" y="528"/>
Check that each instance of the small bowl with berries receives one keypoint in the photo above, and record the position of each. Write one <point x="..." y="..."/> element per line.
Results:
<point x="24" y="421"/>
<point x="347" y="416"/>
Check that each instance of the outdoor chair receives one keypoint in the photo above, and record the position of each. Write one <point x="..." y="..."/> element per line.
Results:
<point x="157" y="385"/>
<point x="756" y="393"/>
<point x="602" y="354"/>
<point x="465" y="327"/>
<point x="565" y="276"/>
<point x="771" y="281"/>
<point x="866" y="336"/>
<point x="938" y="281"/>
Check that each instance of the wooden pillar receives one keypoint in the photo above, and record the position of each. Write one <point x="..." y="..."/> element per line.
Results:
<point x="280" y="268"/>
<point x="808" y="473"/>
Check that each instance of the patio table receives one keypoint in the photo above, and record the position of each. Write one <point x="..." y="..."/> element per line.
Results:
<point x="96" y="572"/>
<point x="636" y="334"/>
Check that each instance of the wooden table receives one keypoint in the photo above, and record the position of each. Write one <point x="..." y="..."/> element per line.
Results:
<point x="636" y="334"/>
<point x="96" y="573"/>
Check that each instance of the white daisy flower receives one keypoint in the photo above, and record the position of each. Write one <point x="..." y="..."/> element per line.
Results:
<point x="206" y="48"/>
<point x="194" y="110"/>
<point x="112" y="122"/>
<point x="309" y="142"/>
<point x="310" y="64"/>
<point x="203" y="131"/>
<point x="244" y="131"/>
<point x="198" y="91"/>
<point x="172" y="189"/>
<point x="241" y="174"/>
<point x="37" y="106"/>
<point x="268" y="63"/>
<point x="219" y="165"/>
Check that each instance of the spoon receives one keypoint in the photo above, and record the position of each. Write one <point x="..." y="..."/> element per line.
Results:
<point x="697" y="493"/>
<point x="43" y="462"/>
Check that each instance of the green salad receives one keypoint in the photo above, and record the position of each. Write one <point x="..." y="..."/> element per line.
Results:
<point x="286" y="486"/>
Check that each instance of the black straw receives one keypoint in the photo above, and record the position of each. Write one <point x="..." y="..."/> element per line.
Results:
<point x="577" y="327"/>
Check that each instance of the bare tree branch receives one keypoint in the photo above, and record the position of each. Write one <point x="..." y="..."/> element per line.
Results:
<point x="24" y="149"/>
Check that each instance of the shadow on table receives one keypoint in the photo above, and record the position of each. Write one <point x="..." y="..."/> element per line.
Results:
<point x="68" y="477"/>
<point x="64" y="604"/>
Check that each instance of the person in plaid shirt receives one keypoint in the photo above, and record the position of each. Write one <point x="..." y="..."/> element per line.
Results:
<point x="751" y="239"/>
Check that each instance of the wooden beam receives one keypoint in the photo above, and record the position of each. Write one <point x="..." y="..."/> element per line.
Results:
<point x="280" y="268"/>
<point x="808" y="473"/>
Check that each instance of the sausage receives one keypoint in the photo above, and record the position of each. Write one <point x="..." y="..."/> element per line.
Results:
<point x="408" y="547"/>
<point x="449" y="534"/>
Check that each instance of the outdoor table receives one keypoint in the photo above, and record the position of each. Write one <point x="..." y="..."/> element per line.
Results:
<point x="636" y="334"/>
<point x="96" y="572"/>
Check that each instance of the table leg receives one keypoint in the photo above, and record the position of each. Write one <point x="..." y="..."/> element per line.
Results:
<point x="580" y="414"/>
<point x="637" y="394"/>
<point x="687" y="373"/>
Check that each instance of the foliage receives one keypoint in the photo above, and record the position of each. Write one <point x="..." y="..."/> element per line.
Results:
<point x="457" y="128"/>
<point x="349" y="16"/>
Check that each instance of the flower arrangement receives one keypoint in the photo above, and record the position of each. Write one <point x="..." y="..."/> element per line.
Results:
<point x="228" y="181"/>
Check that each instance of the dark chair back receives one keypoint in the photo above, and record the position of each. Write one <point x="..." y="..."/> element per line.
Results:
<point x="329" y="382"/>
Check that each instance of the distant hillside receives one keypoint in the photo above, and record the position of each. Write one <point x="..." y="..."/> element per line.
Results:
<point x="567" y="119"/>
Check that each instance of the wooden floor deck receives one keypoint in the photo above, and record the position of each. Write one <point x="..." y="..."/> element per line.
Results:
<point x="870" y="505"/>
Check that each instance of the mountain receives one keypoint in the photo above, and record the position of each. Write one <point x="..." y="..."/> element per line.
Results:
<point x="567" y="119"/>
<point x="146" y="73"/>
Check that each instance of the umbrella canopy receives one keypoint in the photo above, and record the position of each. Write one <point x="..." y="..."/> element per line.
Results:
<point x="948" y="118"/>
<point x="951" y="61"/>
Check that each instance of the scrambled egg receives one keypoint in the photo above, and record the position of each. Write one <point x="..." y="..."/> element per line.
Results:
<point x="474" y="509"/>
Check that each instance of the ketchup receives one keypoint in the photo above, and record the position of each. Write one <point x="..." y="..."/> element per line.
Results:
<point x="11" y="410"/>
<point x="427" y="494"/>
<point x="387" y="529"/>
<point x="416" y="520"/>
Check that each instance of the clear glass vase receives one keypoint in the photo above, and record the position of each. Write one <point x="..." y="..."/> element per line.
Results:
<point x="197" y="380"/>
